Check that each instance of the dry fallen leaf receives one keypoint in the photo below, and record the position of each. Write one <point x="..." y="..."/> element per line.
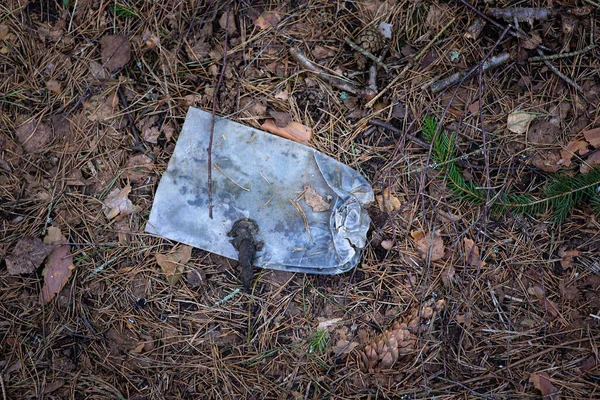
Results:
<point x="541" y="381"/>
<point x="293" y="131"/>
<point x="547" y="160"/>
<point x="196" y="278"/>
<point x="448" y="276"/>
<point x="573" y="147"/>
<point x="314" y="200"/>
<point x="472" y="253"/>
<point x="519" y="121"/>
<point x="321" y="52"/>
<point x="387" y="244"/>
<point x="567" y="257"/>
<point x="27" y="255"/>
<point x="283" y="95"/>
<point x="282" y="119"/>
<point x="54" y="86"/>
<point x="267" y="20"/>
<point x="344" y="347"/>
<point x="172" y="264"/>
<point x="100" y="108"/>
<point x="59" y="265"/>
<point x="532" y="42"/>
<point x="593" y="137"/>
<point x="138" y="168"/>
<point x="117" y="203"/>
<point x="590" y="162"/>
<point x="387" y="202"/>
<point x="34" y="135"/>
<point x="147" y="126"/>
<point x="97" y="71"/>
<point x="115" y="51"/>
<point x="227" y="21"/>
<point x="426" y="244"/>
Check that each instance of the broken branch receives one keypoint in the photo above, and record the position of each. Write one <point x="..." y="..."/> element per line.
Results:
<point x="457" y="77"/>
<point x="349" y="87"/>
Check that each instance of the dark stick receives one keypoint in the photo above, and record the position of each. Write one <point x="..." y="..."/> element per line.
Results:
<point x="212" y="119"/>
<point x="138" y="145"/>
<point x="392" y="128"/>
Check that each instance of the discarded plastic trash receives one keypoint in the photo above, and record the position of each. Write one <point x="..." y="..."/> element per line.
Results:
<point x="309" y="207"/>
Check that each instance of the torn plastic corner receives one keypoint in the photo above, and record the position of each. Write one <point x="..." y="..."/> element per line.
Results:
<point x="269" y="179"/>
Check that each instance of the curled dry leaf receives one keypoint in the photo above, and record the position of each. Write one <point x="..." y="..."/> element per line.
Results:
<point x="283" y="95"/>
<point x="196" y="278"/>
<point x="150" y="131"/>
<point x="590" y="162"/>
<point x="573" y="147"/>
<point x="117" y="203"/>
<point x="59" y="265"/>
<point x="593" y="137"/>
<point x="472" y="253"/>
<point x="293" y="131"/>
<point x="267" y="20"/>
<point x="27" y="256"/>
<point x="519" y="121"/>
<point x="314" y="200"/>
<point x="115" y="51"/>
<point x="567" y="257"/>
<point x="387" y="202"/>
<point x="428" y="244"/>
<point x="387" y="244"/>
<point x="541" y="381"/>
<point x="547" y="160"/>
<point x="344" y="347"/>
<point x="172" y="264"/>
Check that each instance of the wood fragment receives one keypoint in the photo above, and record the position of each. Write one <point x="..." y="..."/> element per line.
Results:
<point x="562" y="76"/>
<point x="493" y="62"/>
<point x="348" y="86"/>
<point x="563" y="55"/>
<point x="520" y="14"/>
<point x="411" y="64"/>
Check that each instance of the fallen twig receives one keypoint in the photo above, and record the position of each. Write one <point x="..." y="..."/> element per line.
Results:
<point x="562" y="76"/>
<point x="563" y="55"/>
<point x="350" y="87"/>
<point x="138" y="144"/>
<point x="520" y="14"/>
<point x="440" y="85"/>
<point x="212" y="118"/>
<point x="367" y="54"/>
<point x="392" y="128"/>
<point x="410" y="64"/>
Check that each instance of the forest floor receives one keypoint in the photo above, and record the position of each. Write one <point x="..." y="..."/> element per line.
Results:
<point x="452" y="298"/>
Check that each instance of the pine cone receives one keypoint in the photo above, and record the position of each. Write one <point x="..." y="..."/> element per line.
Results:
<point x="370" y="40"/>
<point x="400" y="340"/>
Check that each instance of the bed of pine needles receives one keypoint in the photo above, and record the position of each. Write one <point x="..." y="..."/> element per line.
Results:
<point x="452" y="299"/>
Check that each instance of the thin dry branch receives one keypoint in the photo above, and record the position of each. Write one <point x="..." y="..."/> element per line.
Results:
<point x="520" y="14"/>
<point x="350" y="87"/>
<point x="367" y="54"/>
<point x="442" y="84"/>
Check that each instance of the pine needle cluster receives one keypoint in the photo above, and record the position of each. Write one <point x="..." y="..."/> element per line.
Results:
<point x="561" y="194"/>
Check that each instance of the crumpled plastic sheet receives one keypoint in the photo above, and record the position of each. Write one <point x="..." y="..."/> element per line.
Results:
<point x="261" y="176"/>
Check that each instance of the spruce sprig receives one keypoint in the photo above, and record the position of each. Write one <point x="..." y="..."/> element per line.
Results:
<point x="560" y="195"/>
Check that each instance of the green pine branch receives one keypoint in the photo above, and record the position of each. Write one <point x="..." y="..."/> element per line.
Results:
<point x="560" y="195"/>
